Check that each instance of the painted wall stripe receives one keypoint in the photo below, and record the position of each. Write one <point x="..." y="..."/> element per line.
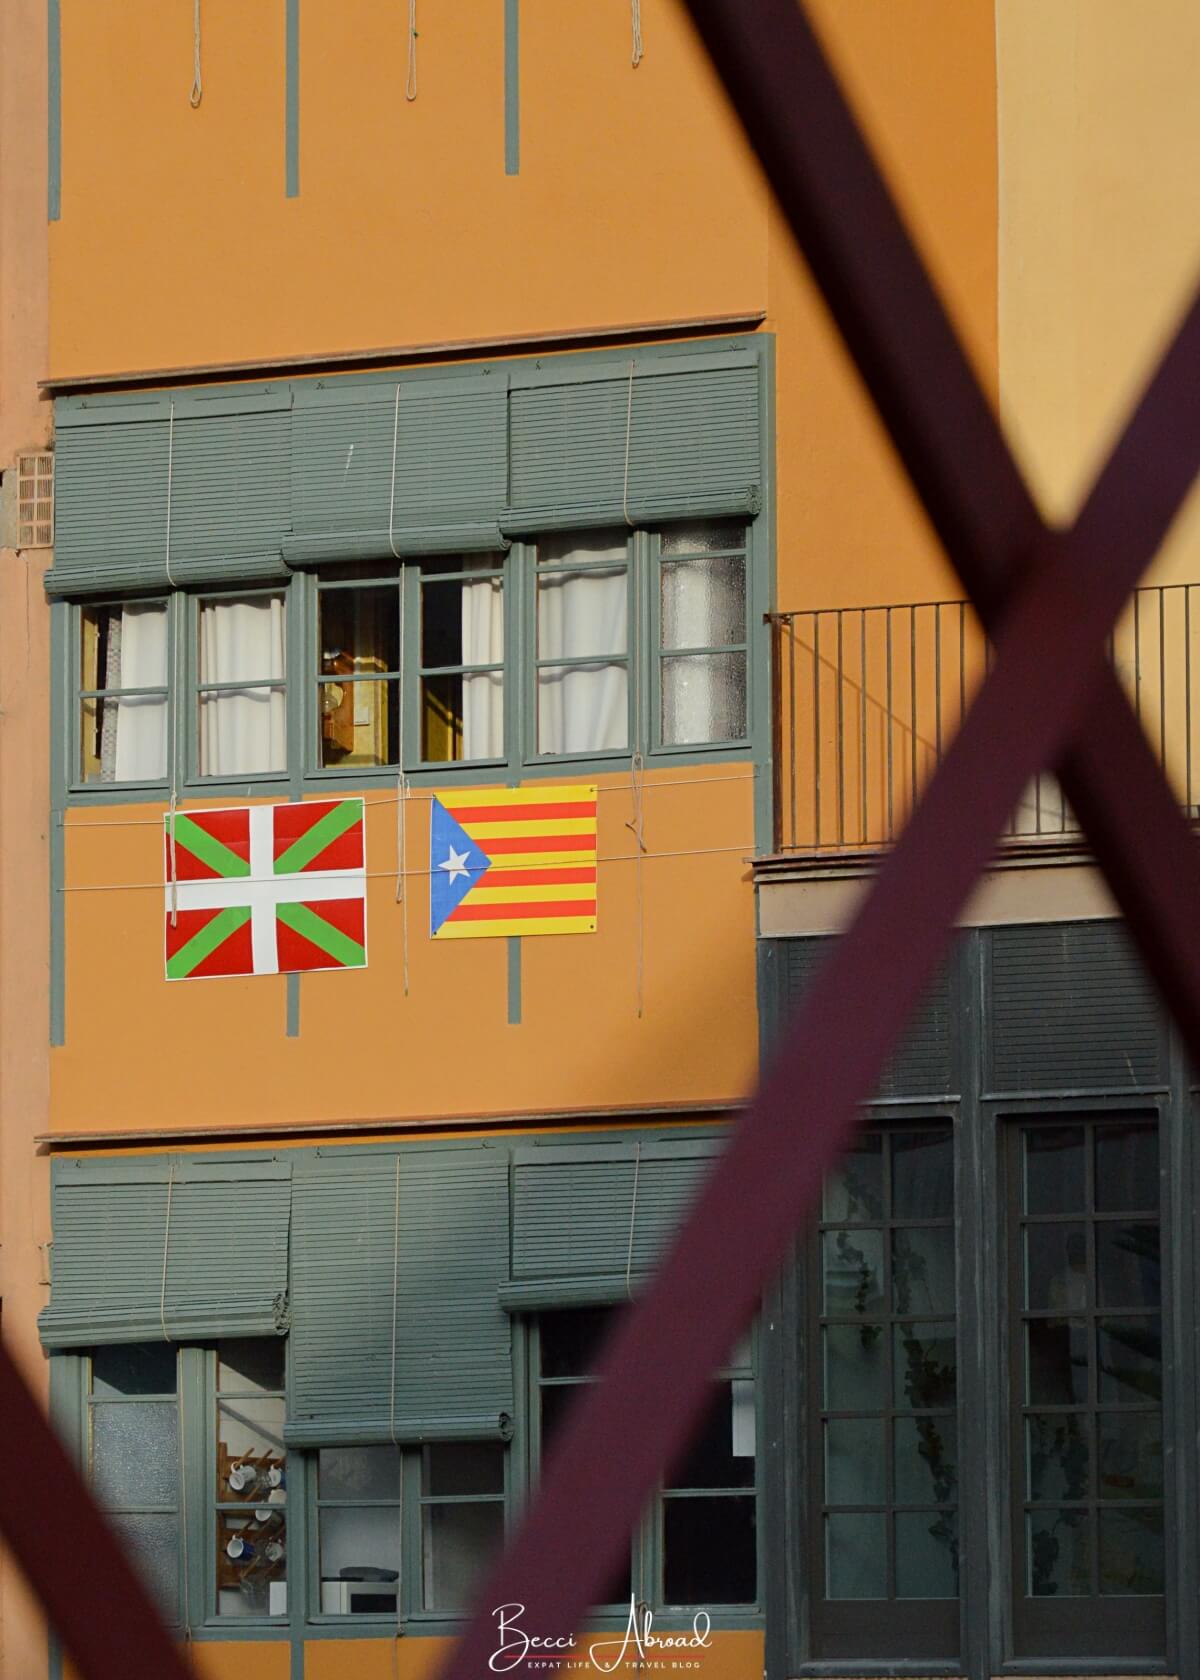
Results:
<point x="53" y="110"/>
<point x="512" y="87"/>
<point x="514" y="982"/>
<point x="291" y="123"/>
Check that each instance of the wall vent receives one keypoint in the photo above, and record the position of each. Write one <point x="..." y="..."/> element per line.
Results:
<point x="35" y="500"/>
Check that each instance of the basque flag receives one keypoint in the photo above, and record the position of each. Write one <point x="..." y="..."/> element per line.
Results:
<point x="266" y="889"/>
<point x="512" y="861"/>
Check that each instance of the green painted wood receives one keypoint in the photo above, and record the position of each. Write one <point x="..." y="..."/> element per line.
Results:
<point x="374" y="477"/>
<point x="53" y="110"/>
<point x="291" y="115"/>
<point x="219" y="473"/>
<point x="590" y="1219"/>
<point x="686" y="443"/>
<point x="397" y="1262"/>
<point x="122" y="1270"/>
<point x="512" y="87"/>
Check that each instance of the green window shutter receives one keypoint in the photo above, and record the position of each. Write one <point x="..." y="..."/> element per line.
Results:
<point x="591" y="1219"/>
<point x="693" y="442"/>
<point x="396" y="1268"/>
<point x="222" y="470"/>
<point x="198" y="1245"/>
<point x="373" y="477"/>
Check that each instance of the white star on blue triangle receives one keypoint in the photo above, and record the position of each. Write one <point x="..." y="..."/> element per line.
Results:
<point x="456" y="864"/>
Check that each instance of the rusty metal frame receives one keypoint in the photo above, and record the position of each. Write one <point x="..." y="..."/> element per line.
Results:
<point x="1050" y="598"/>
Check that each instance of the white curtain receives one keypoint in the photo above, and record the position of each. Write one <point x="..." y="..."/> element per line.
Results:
<point x="242" y="731"/>
<point x="133" y="739"/>
<point x="703" y="697"/>
<point x="483" y="644"/>
<point x="582" y="615"/>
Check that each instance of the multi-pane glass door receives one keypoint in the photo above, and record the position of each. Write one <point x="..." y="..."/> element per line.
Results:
<point x="1086" y="1350"/>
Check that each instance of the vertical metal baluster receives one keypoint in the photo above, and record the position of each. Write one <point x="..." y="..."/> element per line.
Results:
<point x="912" y="703"/>
<point x="862" y="709"/>
<point x="887" y="718"/>
<point x="1187" y="694"/>
<point x="817" y="726"/>
<point x="1137" y="656"/>
<point x="841" y="738"/>
<point x="774" y="623"/>
<point x="937" y="683"/>
<point x="792" y="742"/>
<point x="1162" y="678"/>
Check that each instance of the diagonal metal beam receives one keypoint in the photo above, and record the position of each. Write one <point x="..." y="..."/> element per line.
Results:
<point x="91" y="1596"/>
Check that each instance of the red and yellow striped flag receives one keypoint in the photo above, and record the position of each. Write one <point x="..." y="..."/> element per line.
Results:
<point x="513" y="861"/>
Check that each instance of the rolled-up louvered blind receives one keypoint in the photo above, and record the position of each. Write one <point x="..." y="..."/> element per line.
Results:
<point x="586" y="449"/>
<point x="155" y="1250"/>
<point x="217" y="477"/>
<point x="591" y="1219"/>
<point x="375" y="477"/>
<point x="397" y="1334"/>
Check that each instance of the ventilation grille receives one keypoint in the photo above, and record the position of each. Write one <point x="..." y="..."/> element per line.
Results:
<point x="35" y="500"/>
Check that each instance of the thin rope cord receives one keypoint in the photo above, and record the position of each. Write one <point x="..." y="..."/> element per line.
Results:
<point x="173" y="691"/>
<point x="410" y="86"/>
<point x="637" y="1169"/>
<point x="402" y="780"/>
<point x="628" y="439"/>
<point x="162" y="1294"/>
<point x="197" y="93"/>
<point x="638" y="49"/>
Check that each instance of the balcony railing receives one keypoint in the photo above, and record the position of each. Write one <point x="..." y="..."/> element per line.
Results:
<point x="868" y="699"/>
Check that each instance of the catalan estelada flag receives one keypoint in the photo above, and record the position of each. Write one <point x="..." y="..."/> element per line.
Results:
<point x="512" y="861"/>
<point x="266" y="889"/>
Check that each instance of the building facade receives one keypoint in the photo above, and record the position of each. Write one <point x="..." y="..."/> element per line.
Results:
<point x="483" y="645"/>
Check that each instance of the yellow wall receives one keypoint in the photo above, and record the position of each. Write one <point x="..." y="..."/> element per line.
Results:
<point x="1100" y="151"/>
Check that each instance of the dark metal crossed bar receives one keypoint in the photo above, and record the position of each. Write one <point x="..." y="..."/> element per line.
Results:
<point x="1049" y="599"/>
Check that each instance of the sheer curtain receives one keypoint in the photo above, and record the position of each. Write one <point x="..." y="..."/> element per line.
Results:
<point x="242" y="731"/>
<point x="584" y="614"/>
<point x="483" y="644"/>
<point x="133" y="735"/>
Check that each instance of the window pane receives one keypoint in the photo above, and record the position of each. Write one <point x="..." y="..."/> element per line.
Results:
<point x="926" y="1554"/>
<point x="854" y="1189"/>
<point x="1056" y="1361"/>
<point x="250" y="1365"/>
<point x="1127" y="1264"/>
<point x="151" y="1545"/>
<point x="1059" y="1553"/>
<point x="583" y="708"/>
<point x="852" y="1269"/>
<point x="582" y="548"/>
<point x="251" y="1560"/>
<point x="925" y="1359"/>
<point x="242" y="639"/>
<point x="243" y="732"/>
<point x="710" y="537"/>
<point x="1057" y="1456"/>
<point x="358" y="1473"/>
<point x="460" y="1542"/>
<point x="854" y="1462"/>
<point x="925" y="1460"/>
<point x="923" y="1175"/>
<point x="1056" y="1267"/>
<point x="856" y="1555"/>
<point x="709" y="1551"/>
<point x="360" y="722"/>
<point x="1130" y="1451"/>
<point x="359" y="630"/>
<point x="583" y="614"/>
<point x="360" y="1555"/>
<point x="1129" y="1355"/>
<point x="135" y="1454"/>
<point x="703" y="602"/>
<point x="703" y="698"/>
<point x="251" y="1457"/>
<point x="571" y="1341"/>
<point x="462" y="621"/>
<point x="464" y="1467"/>
<point x="123" y="740"/>
<point x="923" y="1270"/>
<point x="1126" y="1169"/>
<point x="139" y="1368"/>
<point x="462" y="717"/>
<point x="855" y="1367"/>
<point x="712" y="1460"/>
<point x="1054" y="1170"/>
<point x="1131" y="1552"/>
<point x="124" y="646"/>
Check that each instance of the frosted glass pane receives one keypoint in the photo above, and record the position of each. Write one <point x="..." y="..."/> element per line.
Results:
<point x="703" y="602"/>
<point x="359" y="1473"/>
<point x="460" y="1542"/>
<point x="355" y="1540"/>
<point x="135" y="1454"/>
<point x="151" y="1544"/>
<point x="703" y="698"/>
<point x="707" y="538"/>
